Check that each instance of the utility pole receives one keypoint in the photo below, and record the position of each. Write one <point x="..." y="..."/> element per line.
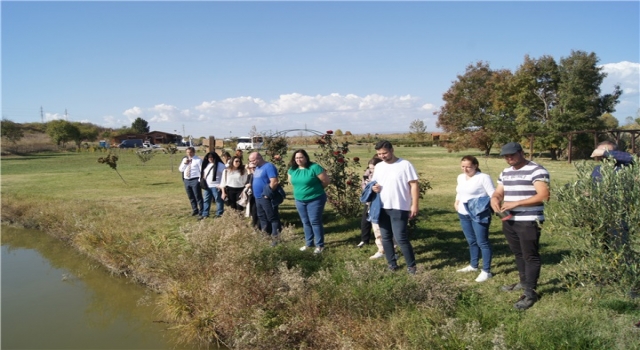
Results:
<point x="66" y="115"/>
<point x="41" y="115"/>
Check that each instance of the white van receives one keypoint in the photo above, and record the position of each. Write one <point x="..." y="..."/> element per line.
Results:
<point x="246" y="142"/>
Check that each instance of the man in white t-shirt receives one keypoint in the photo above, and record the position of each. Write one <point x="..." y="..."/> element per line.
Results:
<point x="397" y="185"/>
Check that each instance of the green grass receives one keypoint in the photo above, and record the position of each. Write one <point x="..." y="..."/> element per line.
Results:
<point x="284" y="296"/>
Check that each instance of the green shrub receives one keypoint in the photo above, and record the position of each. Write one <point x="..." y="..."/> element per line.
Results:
<point x="600" y="220"/>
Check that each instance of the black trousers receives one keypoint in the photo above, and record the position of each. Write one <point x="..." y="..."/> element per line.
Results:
<point x="233" y="194"/>
<point x="365" y="226"/>
<point x="523" y="238"/>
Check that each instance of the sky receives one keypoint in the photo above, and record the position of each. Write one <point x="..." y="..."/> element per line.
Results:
<point x="209" y="68"/>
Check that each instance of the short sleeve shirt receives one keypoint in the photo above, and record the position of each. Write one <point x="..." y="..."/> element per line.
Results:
<point x="305" y="182"/>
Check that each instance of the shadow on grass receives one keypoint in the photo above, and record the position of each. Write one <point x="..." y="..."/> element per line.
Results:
<point x="31" y="156"/>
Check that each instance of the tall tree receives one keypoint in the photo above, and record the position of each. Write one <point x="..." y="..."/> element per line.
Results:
<point x="478" y="109"/>
<point x="62" y="131"/>
<point x="140" y="126"/>
<point x="554" y="99"/>
<point x="86" y="132"/>
<point x="11" y="131"/>
<point x="609" y="122"/>
<point x="417" y="130"/>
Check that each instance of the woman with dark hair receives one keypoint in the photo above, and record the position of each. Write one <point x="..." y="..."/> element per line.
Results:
<point x="234" y="179"/>
<point x="226" y="158"/>
<point x="212" y="169"/>
<point x="473" y="197"/>
<point x="309" y="180"/>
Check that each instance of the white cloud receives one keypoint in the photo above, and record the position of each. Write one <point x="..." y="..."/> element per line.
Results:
<point x="53" y="116"/>
<point x="133" y="113"/>
<point x="351" y="112"/>
<point x="625" y="73"/>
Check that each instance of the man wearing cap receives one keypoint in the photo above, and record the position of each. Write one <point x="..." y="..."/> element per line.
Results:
<point x="609" y="149"/>
<point x="522" y="189"/>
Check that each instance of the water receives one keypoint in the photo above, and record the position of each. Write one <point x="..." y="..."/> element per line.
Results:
<point x="55" y="298"/>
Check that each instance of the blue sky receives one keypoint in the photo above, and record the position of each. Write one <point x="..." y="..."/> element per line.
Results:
<point x="219" y="68"/>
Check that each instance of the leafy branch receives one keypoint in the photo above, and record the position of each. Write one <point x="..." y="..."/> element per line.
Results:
<point x="112" y="161"/>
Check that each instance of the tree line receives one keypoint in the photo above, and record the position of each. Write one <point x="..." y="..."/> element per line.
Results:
<point x="548" y="98"/>
<point x="63" y="131"/>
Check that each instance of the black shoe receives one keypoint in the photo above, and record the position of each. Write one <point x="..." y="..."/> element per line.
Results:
<point x="202" y="217"/>
<point x="512" y="287"/>
<point x="393" y="268"/>
<point x="526" y="300"/>
<point x="195" y="213"/>
<point x="412" y="270"/>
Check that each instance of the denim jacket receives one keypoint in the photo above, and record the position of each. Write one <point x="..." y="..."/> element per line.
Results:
<point x="479" y="209"/>
<point x="277" y="196"/>
<point x="368" y="196"/>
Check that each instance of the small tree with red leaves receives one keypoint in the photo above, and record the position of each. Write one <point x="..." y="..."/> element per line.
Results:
<point x="343" y="193"/>
<point x="276" y="153"/>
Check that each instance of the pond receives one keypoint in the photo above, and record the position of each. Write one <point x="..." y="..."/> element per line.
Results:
<point x="55" y="298"/>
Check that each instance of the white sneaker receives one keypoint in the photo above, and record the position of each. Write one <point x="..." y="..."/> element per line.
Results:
<point x="377" y="255"/>
<point x="483" y="276"/>
<point x="469" y="268"/>
<point x="303" y="248"/>
<point x="318" y="250"/>
<point x="360" y="245"/>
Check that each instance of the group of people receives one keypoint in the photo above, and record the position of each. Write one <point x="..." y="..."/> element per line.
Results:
<point x="213" y="179"/>
<point x="391" y="193"/>
<point x="390" y="189"/>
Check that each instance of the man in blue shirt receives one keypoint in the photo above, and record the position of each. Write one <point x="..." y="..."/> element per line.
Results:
<point x="265" y="182"/>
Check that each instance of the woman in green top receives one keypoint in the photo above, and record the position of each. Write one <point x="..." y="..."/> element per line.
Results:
<point x="309" y="180"/>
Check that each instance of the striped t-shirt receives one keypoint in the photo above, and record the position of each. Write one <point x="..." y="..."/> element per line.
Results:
<point x="518" y="185"/>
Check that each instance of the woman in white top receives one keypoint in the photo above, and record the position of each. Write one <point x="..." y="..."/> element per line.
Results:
<point x="473" y="195"/>
<point x="212" y="169"/>
<point x="233" y="182"/>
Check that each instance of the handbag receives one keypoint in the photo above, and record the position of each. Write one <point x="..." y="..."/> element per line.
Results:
<point x="226" y="189"/>
<point x="244" y="198"/>
<point x="203" y="181"/>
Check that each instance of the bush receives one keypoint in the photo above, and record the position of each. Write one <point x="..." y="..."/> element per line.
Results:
<point x="276" y="153"/>
<point x="344" y="190"/>
<point x="600" y="220"/>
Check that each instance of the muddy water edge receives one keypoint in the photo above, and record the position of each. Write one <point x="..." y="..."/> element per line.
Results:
<point x="53" y="297"/>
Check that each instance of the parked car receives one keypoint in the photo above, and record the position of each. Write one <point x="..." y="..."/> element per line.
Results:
<point x="133" y="143"/>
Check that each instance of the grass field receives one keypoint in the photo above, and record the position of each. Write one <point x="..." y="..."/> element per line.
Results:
<point x="136" y="228"/>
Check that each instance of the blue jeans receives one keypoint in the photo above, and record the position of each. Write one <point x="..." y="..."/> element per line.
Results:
<point x="477" y="235"/>
<point x="268" y="216"/>
<point x="311" y="216"/>
<point x="216" y="195"/>
<point x="194" y="193"/>
<point x="393" y="224"/>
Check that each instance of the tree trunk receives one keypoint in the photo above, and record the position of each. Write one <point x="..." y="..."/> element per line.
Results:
<point x="554" y="154"/>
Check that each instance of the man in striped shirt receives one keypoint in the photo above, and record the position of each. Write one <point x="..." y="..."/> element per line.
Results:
<point x="522" y="189"/>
